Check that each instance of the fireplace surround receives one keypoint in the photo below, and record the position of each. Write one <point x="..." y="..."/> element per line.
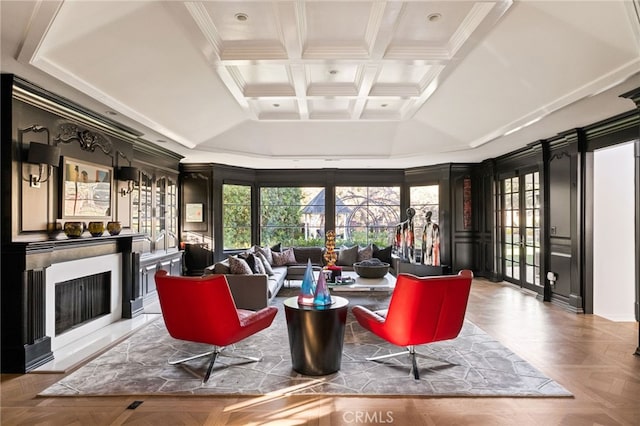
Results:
<point x="28" y="294"/>
<point x="82" y="274"/>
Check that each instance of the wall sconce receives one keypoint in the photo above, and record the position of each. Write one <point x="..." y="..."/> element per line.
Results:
<point x="41" y="154"/>
<point x="130" y="175"/>
<point x="44" y="156"/>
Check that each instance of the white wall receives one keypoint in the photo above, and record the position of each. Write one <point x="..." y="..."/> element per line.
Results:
<point x="614" y="254"/>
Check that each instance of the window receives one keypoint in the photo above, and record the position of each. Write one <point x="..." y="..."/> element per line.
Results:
<point x="366" y="215"/>
<point x="236" y="216"/>
<point x="293" y="216"/>
<point x="424" y="199"/>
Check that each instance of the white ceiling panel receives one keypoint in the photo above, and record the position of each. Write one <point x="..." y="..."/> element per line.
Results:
<point x="349" y="22"/>
<point x="431" y="23"/>
<point x="245" y="21"/>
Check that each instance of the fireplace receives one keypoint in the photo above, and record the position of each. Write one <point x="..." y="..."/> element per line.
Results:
<point x="81" y="300"/>
<point x="82" y="296"/>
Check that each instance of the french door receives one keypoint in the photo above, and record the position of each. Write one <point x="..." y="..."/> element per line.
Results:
<point x="520" y="230"/>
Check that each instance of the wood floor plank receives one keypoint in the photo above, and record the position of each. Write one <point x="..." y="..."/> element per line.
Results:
<point x="590" y="356"/>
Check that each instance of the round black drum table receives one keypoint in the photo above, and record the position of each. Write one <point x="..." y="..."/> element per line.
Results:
<point x="316" y="335"/>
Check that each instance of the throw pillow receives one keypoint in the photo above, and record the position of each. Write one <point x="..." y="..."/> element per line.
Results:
<point x="259" y="266"/>
<point x="347" y="256"/>
<point x="265" y="263"/>
<point x="266" y="252"/>
<point x="250" y="259"/>
<point x="365" y="253"/>
<point x="314" y="254"/>
<point x="239" y="266"/>
<point x="384" y="254"/>
<point x="286" y="257"/>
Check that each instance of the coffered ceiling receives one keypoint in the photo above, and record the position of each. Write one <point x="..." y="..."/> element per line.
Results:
<point x="332" y="83"/>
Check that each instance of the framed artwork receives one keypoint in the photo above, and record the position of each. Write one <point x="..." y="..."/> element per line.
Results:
<point x="193" y="212"/>
<point x="466" y="202"/>
<point x="86" y="190"/>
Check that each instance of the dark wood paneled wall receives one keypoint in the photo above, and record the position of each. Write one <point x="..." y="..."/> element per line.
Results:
<point x="483" y="188"/>
<point x="30" y="235"/>
<point x="564" y="251"/>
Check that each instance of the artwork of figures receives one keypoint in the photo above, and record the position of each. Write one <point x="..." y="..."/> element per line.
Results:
<point x="410" y="248"/>
<point x="430" y="242"/>
<point x="404" y="243"/>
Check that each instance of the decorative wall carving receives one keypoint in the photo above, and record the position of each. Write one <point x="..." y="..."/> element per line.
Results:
<point x="559" y="155"/>
<point x="88" y="140"/>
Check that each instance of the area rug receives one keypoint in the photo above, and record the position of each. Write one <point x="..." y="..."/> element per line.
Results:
<point x="473" y="365"/>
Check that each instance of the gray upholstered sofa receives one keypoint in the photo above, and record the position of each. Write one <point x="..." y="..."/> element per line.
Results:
<point x="255" y="291"/>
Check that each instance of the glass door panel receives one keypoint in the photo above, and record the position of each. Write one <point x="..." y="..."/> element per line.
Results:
<point x="520" y="198"/>
<point x="171" y="214"/>
<point x="142" y="205"/>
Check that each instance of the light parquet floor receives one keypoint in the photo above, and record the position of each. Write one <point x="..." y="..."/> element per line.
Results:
<point x="590" y="356"/>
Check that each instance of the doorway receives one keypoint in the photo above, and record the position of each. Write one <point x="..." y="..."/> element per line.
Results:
<point x="614" y="253"/>
<point x="519" y="219"/>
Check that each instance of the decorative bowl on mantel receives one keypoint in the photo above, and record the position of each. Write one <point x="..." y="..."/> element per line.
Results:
<point x="73" y="229"/>
<point x="96" y="229"/>
<point x="114" y="228"/>
<point x="373" y="268"/>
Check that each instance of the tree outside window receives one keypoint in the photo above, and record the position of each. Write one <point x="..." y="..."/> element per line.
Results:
<point x="366" y="215"/>
<point x="236" y="216"/>
<point x="292" y="216"/>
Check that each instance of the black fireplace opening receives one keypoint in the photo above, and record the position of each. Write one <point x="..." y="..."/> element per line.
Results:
<point x="81" y="300"/>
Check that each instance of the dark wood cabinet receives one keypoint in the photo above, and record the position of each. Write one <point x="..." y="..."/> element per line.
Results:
<point x="419" y="269"/>
<point x="152" y="263"/>
<point x="155" y="215"/>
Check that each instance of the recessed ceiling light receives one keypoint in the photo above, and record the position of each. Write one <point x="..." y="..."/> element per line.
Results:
<point x="384" y="105"/>
<point x="276" y="105"/>
<point x="434" y="17"/>
<point x="161" y="141"/>
<point x="109" y="112"/>
<point x="333" y="72"/>
<point x="241" y="17"/>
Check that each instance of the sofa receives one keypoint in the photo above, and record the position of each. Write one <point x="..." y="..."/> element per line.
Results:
<point x="254" y="291"/>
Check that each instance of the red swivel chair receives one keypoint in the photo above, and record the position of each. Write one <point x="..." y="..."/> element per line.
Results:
<point x="422" y="310"/>
<point x="201" y="309"/>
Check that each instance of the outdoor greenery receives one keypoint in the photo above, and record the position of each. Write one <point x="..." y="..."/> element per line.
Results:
<point x="236" y="216"/>
<point x="279" y="215"/>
